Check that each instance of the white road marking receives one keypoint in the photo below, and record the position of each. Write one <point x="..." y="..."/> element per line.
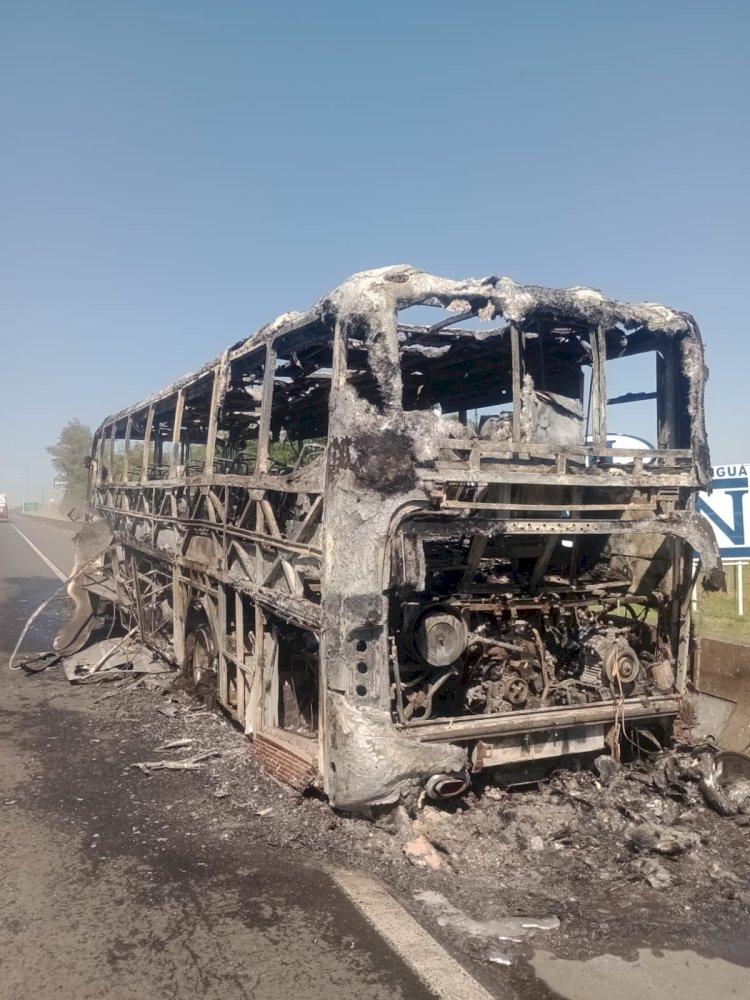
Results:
<point x="440" y="973"/>
<point x="48" y="562"/>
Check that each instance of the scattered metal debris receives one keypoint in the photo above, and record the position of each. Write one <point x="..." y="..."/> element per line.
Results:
<point x="41" y="661"/>
<point x="193" y="763"/>
<point x="498" y="957"/>
<point x="175" y="745"/>
<point x="512" y="928"/>
<point x="726" y="783"/>
<point x="124" y="657"/>
<point x="121" y="687"/>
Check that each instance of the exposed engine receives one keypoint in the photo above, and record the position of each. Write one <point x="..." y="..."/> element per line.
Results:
<point x="466" y="656"/>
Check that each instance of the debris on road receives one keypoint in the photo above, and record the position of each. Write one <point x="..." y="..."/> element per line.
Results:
<point x="175" y="745"/>
<point x="653" y="873"/>
<point x="659" y="840"/>
<point x="91" y="541"/>
<point x="599" y="848"/>
<point x="38" y="662"/>
<point x="498" y="957"/>
<point x="421" y="853"/>
<point x="194" y="763"/>
<point x="726" y="783"/>
<point x="111" y="659"/>
<point x="513" y="929"/>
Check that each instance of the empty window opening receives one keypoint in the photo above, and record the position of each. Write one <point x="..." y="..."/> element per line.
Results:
<point x="162" y="450"/>
<point x="194" y="429"/>
<point x="631" y="396"/>
<point x="236" y="449"/>
<point x="298" y="430"/>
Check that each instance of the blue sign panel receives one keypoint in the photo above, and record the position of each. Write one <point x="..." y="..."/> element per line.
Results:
<point x="727" y="509"/>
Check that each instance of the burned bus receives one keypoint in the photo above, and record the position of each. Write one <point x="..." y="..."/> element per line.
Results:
<point x="390" y="537"/>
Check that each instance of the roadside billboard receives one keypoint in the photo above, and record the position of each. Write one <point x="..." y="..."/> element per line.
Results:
<point x="728" y="509"/>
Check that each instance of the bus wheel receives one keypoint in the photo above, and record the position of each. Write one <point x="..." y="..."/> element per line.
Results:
<point x="200" y="660"/>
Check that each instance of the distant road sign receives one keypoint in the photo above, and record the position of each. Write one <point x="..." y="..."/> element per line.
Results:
<point x="60" y="482"/>
<point x="30" y="506"/>
<point x="728" y="509"/>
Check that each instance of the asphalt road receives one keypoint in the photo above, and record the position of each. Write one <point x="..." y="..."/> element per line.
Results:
<point x="54" y="541"/>
<point x="101" y="898"/>
<point x="121" y="888"/>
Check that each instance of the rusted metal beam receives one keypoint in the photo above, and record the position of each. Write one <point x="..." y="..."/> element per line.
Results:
<point x="599" y="388"/>
<point x="264" y="430"/>
<point x="218" y="391"/>
<point x="536" y="721"/>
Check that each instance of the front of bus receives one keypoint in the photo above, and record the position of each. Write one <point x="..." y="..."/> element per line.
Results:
<point x="499" y="593"/>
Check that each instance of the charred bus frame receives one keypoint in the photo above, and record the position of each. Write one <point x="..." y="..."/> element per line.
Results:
<point x="403" y="553"/>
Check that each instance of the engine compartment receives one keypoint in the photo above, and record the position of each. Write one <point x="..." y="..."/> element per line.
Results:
<point x="501" y="641"/>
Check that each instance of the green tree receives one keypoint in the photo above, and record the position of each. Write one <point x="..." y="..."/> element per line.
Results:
<point x="68" y="453"/>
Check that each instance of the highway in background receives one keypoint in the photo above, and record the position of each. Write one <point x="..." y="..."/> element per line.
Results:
<point x="54" y="542"/>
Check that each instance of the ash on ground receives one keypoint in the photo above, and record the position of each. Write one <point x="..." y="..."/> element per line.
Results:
<point x="608" y="858"/>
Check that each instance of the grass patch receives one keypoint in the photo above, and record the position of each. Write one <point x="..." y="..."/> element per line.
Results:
<point x="716" y="616"/>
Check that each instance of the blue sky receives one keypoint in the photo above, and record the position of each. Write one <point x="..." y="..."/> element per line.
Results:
<point x="176" y="173"/>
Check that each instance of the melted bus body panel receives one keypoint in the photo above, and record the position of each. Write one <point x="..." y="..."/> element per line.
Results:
<point x="401" y="553"/>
